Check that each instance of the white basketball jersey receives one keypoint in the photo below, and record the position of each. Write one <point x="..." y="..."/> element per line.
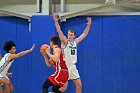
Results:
<point x="70" y="52"/>
<point x="4" y="64"/>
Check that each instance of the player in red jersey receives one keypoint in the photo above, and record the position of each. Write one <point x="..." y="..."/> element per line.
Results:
<point x="60" y="76"/>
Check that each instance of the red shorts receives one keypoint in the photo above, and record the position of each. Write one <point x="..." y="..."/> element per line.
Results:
<point x="60" y="77"/>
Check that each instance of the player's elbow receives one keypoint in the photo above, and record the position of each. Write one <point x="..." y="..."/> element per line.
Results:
<point x="49" y="64"/>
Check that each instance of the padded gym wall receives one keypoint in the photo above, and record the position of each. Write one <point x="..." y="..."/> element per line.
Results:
<point x="131" y="76"/>
<point x="108" y="58"/>
<point x="16" y="29"/>
<point x="23" y="64"/>
<point x="121" y="54"/>
<point x="42" y="29"/>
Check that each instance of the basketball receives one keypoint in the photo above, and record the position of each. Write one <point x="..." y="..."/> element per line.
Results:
<point x="43" y="49"/>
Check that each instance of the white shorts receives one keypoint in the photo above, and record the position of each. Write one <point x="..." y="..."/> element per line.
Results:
<point x="1" y="76"/>
<point x="73" y="72"/>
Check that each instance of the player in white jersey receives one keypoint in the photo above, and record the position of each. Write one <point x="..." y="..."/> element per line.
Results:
<point x="69" y="45"/>
<point x="5" y="64"/>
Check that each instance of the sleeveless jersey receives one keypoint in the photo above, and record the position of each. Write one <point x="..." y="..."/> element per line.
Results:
<point x="61" y="64"/>
<point x="4" y="64"/>
<point x="60" y="76"/>
<point x="70" y="52"/>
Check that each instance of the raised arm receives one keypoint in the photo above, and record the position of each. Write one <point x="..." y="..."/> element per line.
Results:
<point x="60" y="33"/>
<point x="22" y="53"/>
<point x="84" y="34"/>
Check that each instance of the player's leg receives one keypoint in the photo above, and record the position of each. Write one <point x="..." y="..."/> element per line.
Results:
<point x="46" y="85"/>
<point x="55" y="89"/>
<point x="76" y="79"/>
<point x="64" y="88"/>
<point x="11" y="87"/>
<point x="78" y="85"/>
<point x="6" y="83"/>
<point x="0" y="89"/>
<point x="0" y="78"/>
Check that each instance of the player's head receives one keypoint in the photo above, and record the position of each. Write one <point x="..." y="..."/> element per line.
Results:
<point x="54" y="40"/>
<point x="10" y="47"/>
<point x="71" y="34"/>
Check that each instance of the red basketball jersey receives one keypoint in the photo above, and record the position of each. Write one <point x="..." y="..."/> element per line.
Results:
<point x="61" y="64"/>
<point x="61" y="72"/>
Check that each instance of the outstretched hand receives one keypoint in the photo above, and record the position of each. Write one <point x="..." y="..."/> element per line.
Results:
<point x="89" y="20"/>
<point x="55" y="17"/>
<point x="9" y="74"/>
<point x="32" y="48"/>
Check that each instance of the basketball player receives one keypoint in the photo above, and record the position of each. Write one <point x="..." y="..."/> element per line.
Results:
<point x="69" y="46"/>
<point x="60" y="77"/>
<point x="6" y="62"/>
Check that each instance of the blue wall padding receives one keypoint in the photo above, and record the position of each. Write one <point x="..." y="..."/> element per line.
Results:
<point x="131" y="71"/>
<point x="113" y="52"/>
<point x="108" y="58"/>
<point x="23" y="43"/>
<point x="16" y="29"/>
<point x="8" y="32"/>
<point x="42" y="29"/>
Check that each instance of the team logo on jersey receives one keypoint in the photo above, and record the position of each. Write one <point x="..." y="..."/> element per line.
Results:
<point x="72" y="47"/>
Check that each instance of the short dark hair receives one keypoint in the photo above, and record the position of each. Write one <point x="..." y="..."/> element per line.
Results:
<point x="72" y="31"/>
<point x="8" y="46"/>
<point x="55" y="40"/>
